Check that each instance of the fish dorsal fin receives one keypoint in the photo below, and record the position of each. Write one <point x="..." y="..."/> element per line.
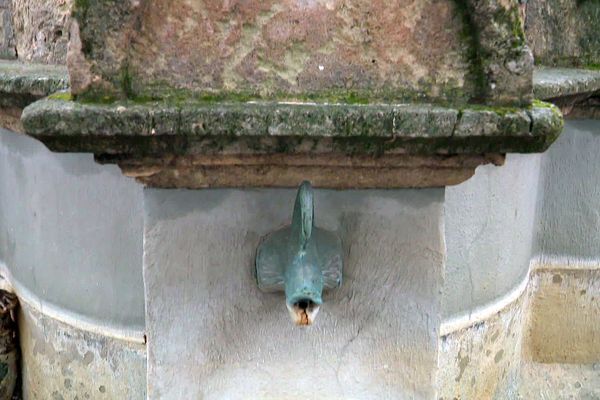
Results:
<point x="303" y="217"/>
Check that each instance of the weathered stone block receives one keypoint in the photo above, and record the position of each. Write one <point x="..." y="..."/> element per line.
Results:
<point x="329" y="50"/>
<point x="552" y="83"/>
<point x="564" y="32"/>
<point x="491" y="123"/>
<point x="281" y="128"/>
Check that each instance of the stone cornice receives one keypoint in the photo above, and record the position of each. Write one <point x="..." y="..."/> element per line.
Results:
<point x="253" y="144"/>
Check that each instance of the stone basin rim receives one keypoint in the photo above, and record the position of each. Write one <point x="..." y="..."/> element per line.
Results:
<point x="55" y="117"/>
<point x="337" y="146"/>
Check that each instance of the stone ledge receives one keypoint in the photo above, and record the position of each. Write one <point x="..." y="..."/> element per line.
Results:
<point x="332" y="171"/>
<point x="21" y="84"/>
<point x="551" y="83"/>
<point x="35" y="80"/>
<point x="203" y="144"/>
<point x="267" y="128"/>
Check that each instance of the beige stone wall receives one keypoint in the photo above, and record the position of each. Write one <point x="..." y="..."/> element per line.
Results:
<point x="481" y="361"/>
<point x="564" y="322"/>
<point x="61" y="361"/>
<point x="564" y="32"/>
<point x="540" y="341"/>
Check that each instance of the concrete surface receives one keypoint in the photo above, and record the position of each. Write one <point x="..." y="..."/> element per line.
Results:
<point x="544" y="290"/>
<point x="564" y="316"/>
<point x="209" y="325"/>
<point x="71" y="232"/>
<point x="490" y="221"/>
<point x="570" y="182"/>
<point x="482" y="361"/>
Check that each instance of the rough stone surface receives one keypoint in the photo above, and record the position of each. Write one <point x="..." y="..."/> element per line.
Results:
<point x="546" y="120"/>
<point x="383" y="50"/>
<point x="8" y="49"/>
<point x="482" y="361"/>
<point x="324" y="171"/>
<point x="551" y="83"/>
<point x="564" y="316"/>
<point x="197" y="145"/>
<point x="21" y="84"/>
<point x="62" y="362"/>
<point x="10" y="118"/>
<point x="9" y="344"/>
<point x="492" y="123"/>
<point x="559" y="381"/>
<point x="33" y="80"/>
<point x="564" y="32"/>
<point x="266" y="128"/>
<point x="588" y="109"/>
<point x="209" y="324"/>
<point x="499" y="53"/>
<point x="42" y="30"/>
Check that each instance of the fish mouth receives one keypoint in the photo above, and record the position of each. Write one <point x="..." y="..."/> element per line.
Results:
<point x="303" y="311"/>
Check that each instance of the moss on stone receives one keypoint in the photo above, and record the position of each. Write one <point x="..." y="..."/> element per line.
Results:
<point x="63" y="96"/>
<point x="81" y="6"/>
<point x="567" y="38"/>
<point x="127" y="82"/>
<point x="510" y="18"/>
<point x="470" y="34"/>
<point x="539" y="104"/>
<point x="498" y="110"/>
<point x="177" y="97"/>
<point x="157" y="128"/>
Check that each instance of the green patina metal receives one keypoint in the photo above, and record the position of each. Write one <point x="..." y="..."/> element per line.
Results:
<point x="301" y="260"/>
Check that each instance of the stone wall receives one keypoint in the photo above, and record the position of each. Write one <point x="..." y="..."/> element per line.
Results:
<point x="7" y="36"/>
<point x="41" y="30"/>
<point x="564" y="32"/>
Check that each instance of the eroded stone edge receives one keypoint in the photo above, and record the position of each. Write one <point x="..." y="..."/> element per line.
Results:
<point x="550" y="83"/>
<point x="35" y="80"/>
<point x="470" y="130"/>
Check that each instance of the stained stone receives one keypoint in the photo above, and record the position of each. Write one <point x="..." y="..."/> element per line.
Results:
<point x="281" y="127"/>
<point x="401" y="50"/>
<point x="564" y="32"/>
<point x="560" y="82"/>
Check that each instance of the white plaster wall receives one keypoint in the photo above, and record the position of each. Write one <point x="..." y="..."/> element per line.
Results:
<point x="538" y="206"/>
<point x="569" y="214"/>
<point x="71" y="233"/>
<point x="213" y="335"/>
<point x="565" y="311"/>
<point x="490" y="223"/>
